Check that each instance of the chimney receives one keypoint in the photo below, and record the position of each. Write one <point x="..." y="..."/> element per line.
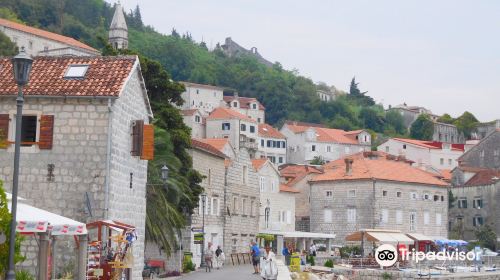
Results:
<point x="348" y="166"/>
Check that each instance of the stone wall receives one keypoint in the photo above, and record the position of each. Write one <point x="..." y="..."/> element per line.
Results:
<point x="486" y="154"/>
<point x="447" y="133"/>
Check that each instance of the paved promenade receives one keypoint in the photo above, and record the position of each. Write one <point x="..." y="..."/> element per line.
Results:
<point x="240" y="272"/>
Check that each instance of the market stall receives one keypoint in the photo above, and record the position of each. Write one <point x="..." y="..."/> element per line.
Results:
<point x="381" y="236"/>
<point x="423" y="243"/>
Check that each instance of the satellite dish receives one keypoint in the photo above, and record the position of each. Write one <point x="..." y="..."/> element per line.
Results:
<point x="3" y="238"/>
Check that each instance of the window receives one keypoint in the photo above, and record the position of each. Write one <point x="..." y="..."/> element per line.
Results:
<point x="76" y="71"/>
<point x="273" y="186"/>
<point x="477" y="203"/>
<point x="275" y="144"/>
<point x="244" y="176"/>
<point x="254" y="106"/>
<point x="280" y="160"/>
<point x="399" y="217"/>
<point x="328" y="149"/>
<point x="351" y="215"/>
<point x="327" y="215"/>
<point x="426" y="196"/>
<point x="387" y="149"/>
<point x="252" y="129"/>
<point x="441" y="161"/>
<point x="436" y="197"/>
<point x="385" y="216"/>
<point x="283" y="144"/>
<point x="283" y="216"/>
<point x="215" y="94"/>
<point x="243" y="127"/>
<point x="209" y="177"/>
<point x="226" y="126"/>
<point x="413" y="221"/>
<point x="235" y="205"/>
<point x="413" y="195"/>
<point x="404" y="146"/>
<point x="329" y="194"/>
<point x="31" y="44"/>
<point x="45" y="48"/>
<point x="288" y="217"/>
<point x="462" y="203"/>
<point x="426" y="218"/>
<point x="201" y="103"/>
<point x="477" y="221"/>
<point x="398" y="194"/>
<point x="262" y="142"/>
<point x="197" y="91"/>
<point x="215" y="209"/>
<point x="449" y="161"/>
<point x="252" y="206"/>
<point x="235" y="104"/>
<point x="272" y="159"/>
<point x="197" y="119"/>
<point x="352" y="193"/>
<point x="347" y="150"/>
<point x="442" y="198"/>
<point x="313" y="148"/>
<point x="262" y="183"/>
<point x="384" y="193"/>
<point x="269" y="143"/>
<point x="438" y="219"/>
<point x="28" y="130"/>
<point x="243" y="206"/>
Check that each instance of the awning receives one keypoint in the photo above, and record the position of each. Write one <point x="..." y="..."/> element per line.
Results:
<point x="31" y="219"/>
<point x="382" y="236"/>
<point x="419" y="237"/>
<point x="300" y="234"/>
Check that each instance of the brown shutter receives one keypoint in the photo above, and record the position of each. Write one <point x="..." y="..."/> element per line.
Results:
<point x="4" y="131"/>
<point x="148" y="144"/>
<point x="46" y="132"/>
<point x="137" y="132"/>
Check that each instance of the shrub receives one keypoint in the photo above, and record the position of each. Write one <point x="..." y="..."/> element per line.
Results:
<point x="329" y="263"/>
<point x="347" y="251"/>
<point x="386" y="276"/>
<point x="310" y="260"/>
<point x="188" y="266"/>
<point x="24" y="275"/>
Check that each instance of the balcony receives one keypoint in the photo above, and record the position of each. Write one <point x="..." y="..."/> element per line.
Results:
<point x="249" y="145"/>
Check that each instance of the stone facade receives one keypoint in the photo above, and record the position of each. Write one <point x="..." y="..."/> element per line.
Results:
<point x="447" y="133"/>
<point x="247" y="106"/>
<point x="483" y="129"/>
<point x="79" y="156"/>
<point x="118" y="30"/>
<point x="231" y="48"/>
<point x="348" y="206"/>
<point x="194" y="119"/>
<point x="486" y="154"/>
<point x="233" y="130"/>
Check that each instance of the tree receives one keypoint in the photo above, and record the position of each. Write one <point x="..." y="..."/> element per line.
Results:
<point x="371" y="119"/>
<point x="359" y="97"/>
<point x="466" y="124"/>
<point x="7" y="48"/>
<point x="396" y="121"/>
<point x="317" y="160"/>
<point x="137" y="15"/>
<point x="175" y="34"/>
<point x="446" y="118"/>
<point x="5" y="218"/>
<point x="422" y="128"/>
<point x="486" y="237"/>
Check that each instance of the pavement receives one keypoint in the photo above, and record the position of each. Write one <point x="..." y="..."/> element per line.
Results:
<point x="229" y="272"/>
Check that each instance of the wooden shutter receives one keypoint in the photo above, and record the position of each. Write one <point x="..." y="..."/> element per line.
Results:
<point x="46" y="132"/>
<point x="148" y="142"/>
<point x="137" y="134"/>
<point x="4" y="131"/>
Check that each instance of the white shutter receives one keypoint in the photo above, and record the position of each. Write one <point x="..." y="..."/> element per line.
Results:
<point x="288" y="217"/>
<point x="438" y="219"/>
<point x="327" y="215"/>
<point x="426" y="218"/>
<point x="385" y="216"/>
<point x="399" y="217"/>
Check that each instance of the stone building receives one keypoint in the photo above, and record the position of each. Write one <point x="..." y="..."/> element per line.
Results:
<point x="231" y="48"/>
<point x="447" y="133"/>
<point x="272" y="144"/>
<point x="196" y="121"/>
<point x="40" y="42"/>
<point x="250" y="107"/>
<point x="118" y="30"/>
<point x="297" y="177"/>
<point x="483" y="129"/>
<point x="326" y="95"/>
<point x="204" y="98"/>
<point x="374" y="190"/>
<point x="86" y="140"/>
<point x="486" y="154"/>
<point x="425" y="154"/>
<point x="277" y="201"/>
<point x="306" y="141"/>
<point x="411" y="113"/>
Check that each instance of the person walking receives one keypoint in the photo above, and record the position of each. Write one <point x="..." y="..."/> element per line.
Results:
<point x="269" y="269"/>
<point x="255" y="252"/>
<point x="219" y="257"/>
<point x="286" y="253"/>
<point x="209" y="256"/>
<point x="312" y="250"/>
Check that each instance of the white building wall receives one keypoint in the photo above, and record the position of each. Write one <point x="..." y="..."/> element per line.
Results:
<point x="264" y="151"/>
<point x="198" y="129"/>
<point x="202" y="98"/>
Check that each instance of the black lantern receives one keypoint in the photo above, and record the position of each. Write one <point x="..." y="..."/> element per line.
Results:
<point x="203" y="198"/>
<point x="164" y="173"/>
<point x="22" y="67"/>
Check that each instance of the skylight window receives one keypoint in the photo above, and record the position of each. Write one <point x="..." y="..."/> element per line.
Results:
<point x="76" y="71"/>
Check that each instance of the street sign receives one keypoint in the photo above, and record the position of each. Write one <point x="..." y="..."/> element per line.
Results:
<point x="197" y="229"/>
<point x="198" y="238"/>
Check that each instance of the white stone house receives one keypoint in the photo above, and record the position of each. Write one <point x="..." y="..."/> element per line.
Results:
<point x="241" y="131"/>
<point x="205" y="98"/>
<point x="272" y="144"/>
<point x="277" y="201"/>
<point x="437" y="155"/>
<point x="196" y="121"/>
<point x="376" y="190"/>
<point x="326" y="95"/>
<point x="306" y="141"/>
<point x="40" y="42"/>
<point x="248" y="106"/>
<point x="86" y="142"/>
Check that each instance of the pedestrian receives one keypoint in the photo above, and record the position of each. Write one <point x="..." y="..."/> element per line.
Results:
<point x="286" y="253"/>
<point x="209" y="256"/>
<point x="255" y="252"/>
<point x="269" y="269"/>
<point x="312" y="250"/>
<point x="219" y="257"/>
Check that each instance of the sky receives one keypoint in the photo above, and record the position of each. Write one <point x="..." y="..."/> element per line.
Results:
<point x="443" y="55"/>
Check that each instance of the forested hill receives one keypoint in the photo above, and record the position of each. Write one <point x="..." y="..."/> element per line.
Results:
<point x="285" y="94"/>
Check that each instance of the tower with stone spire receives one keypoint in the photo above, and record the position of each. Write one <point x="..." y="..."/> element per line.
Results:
<point x="118" y="31"/>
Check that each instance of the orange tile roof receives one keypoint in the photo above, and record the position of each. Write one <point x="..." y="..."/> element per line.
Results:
<point x="268" y="131"/>
<point x="188" y="112"/>
<point x="106" y="76"/>
<point x="295" y="173"/>
<point x="45" y="34"/>
<point x="213" y="146"/>
<point x="258" y="163"/>
<point x="324" y="134"/>
<point x="446" y="174"/>
<point x="285" y="188"/>
<point x="221" y="113"/>
<point x="244" y="101"/>
<point x="484" y="177"/>
<point x="376" y="165"/>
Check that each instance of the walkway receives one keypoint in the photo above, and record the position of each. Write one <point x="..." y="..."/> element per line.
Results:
<point x="240" y="272"/>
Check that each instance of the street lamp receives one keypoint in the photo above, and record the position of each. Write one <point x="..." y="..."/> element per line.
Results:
<point x="267" y="212"/>
<point x="203" y="201"/>
<point x="21" y="65"/>
<point x="164" y="173"/>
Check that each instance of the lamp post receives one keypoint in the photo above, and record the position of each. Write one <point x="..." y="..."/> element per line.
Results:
<point x="267" y="212"/>
<point x="203" y="201"/>
<point x="21" y="65"/>
<point x="164" y="174"/>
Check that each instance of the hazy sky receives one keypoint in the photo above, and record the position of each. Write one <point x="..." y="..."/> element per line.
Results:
<point x="443" y="55"/>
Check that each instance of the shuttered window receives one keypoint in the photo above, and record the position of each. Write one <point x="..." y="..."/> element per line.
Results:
<point x="142" y="140"/>
<point x="137" y="134"/>
<point x="148" y="144"/>
<point x="4" y="131"/>
<point x="46" y="132"/>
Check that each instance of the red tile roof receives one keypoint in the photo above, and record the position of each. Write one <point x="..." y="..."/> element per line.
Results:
<point x="258" y="163"/>
<point x="268" y="131"/>
<point x="484" y="177"/>
<point x="45" y="34"/>
<point x="430" y="144"/>
<point x="189" y="84"/>
<point x="189" y="112"/>
<point x="324" y="134"/>
<point x="376" y="165"/>
<point x="213" y="146"/>
<point x="221" y="113"/>
<point x="244" y="101"/>
<point x="446" y="174"/>
<point x="295" y="173"/>
<point x="285" y="188"/>
<point x="106" y="76"/>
